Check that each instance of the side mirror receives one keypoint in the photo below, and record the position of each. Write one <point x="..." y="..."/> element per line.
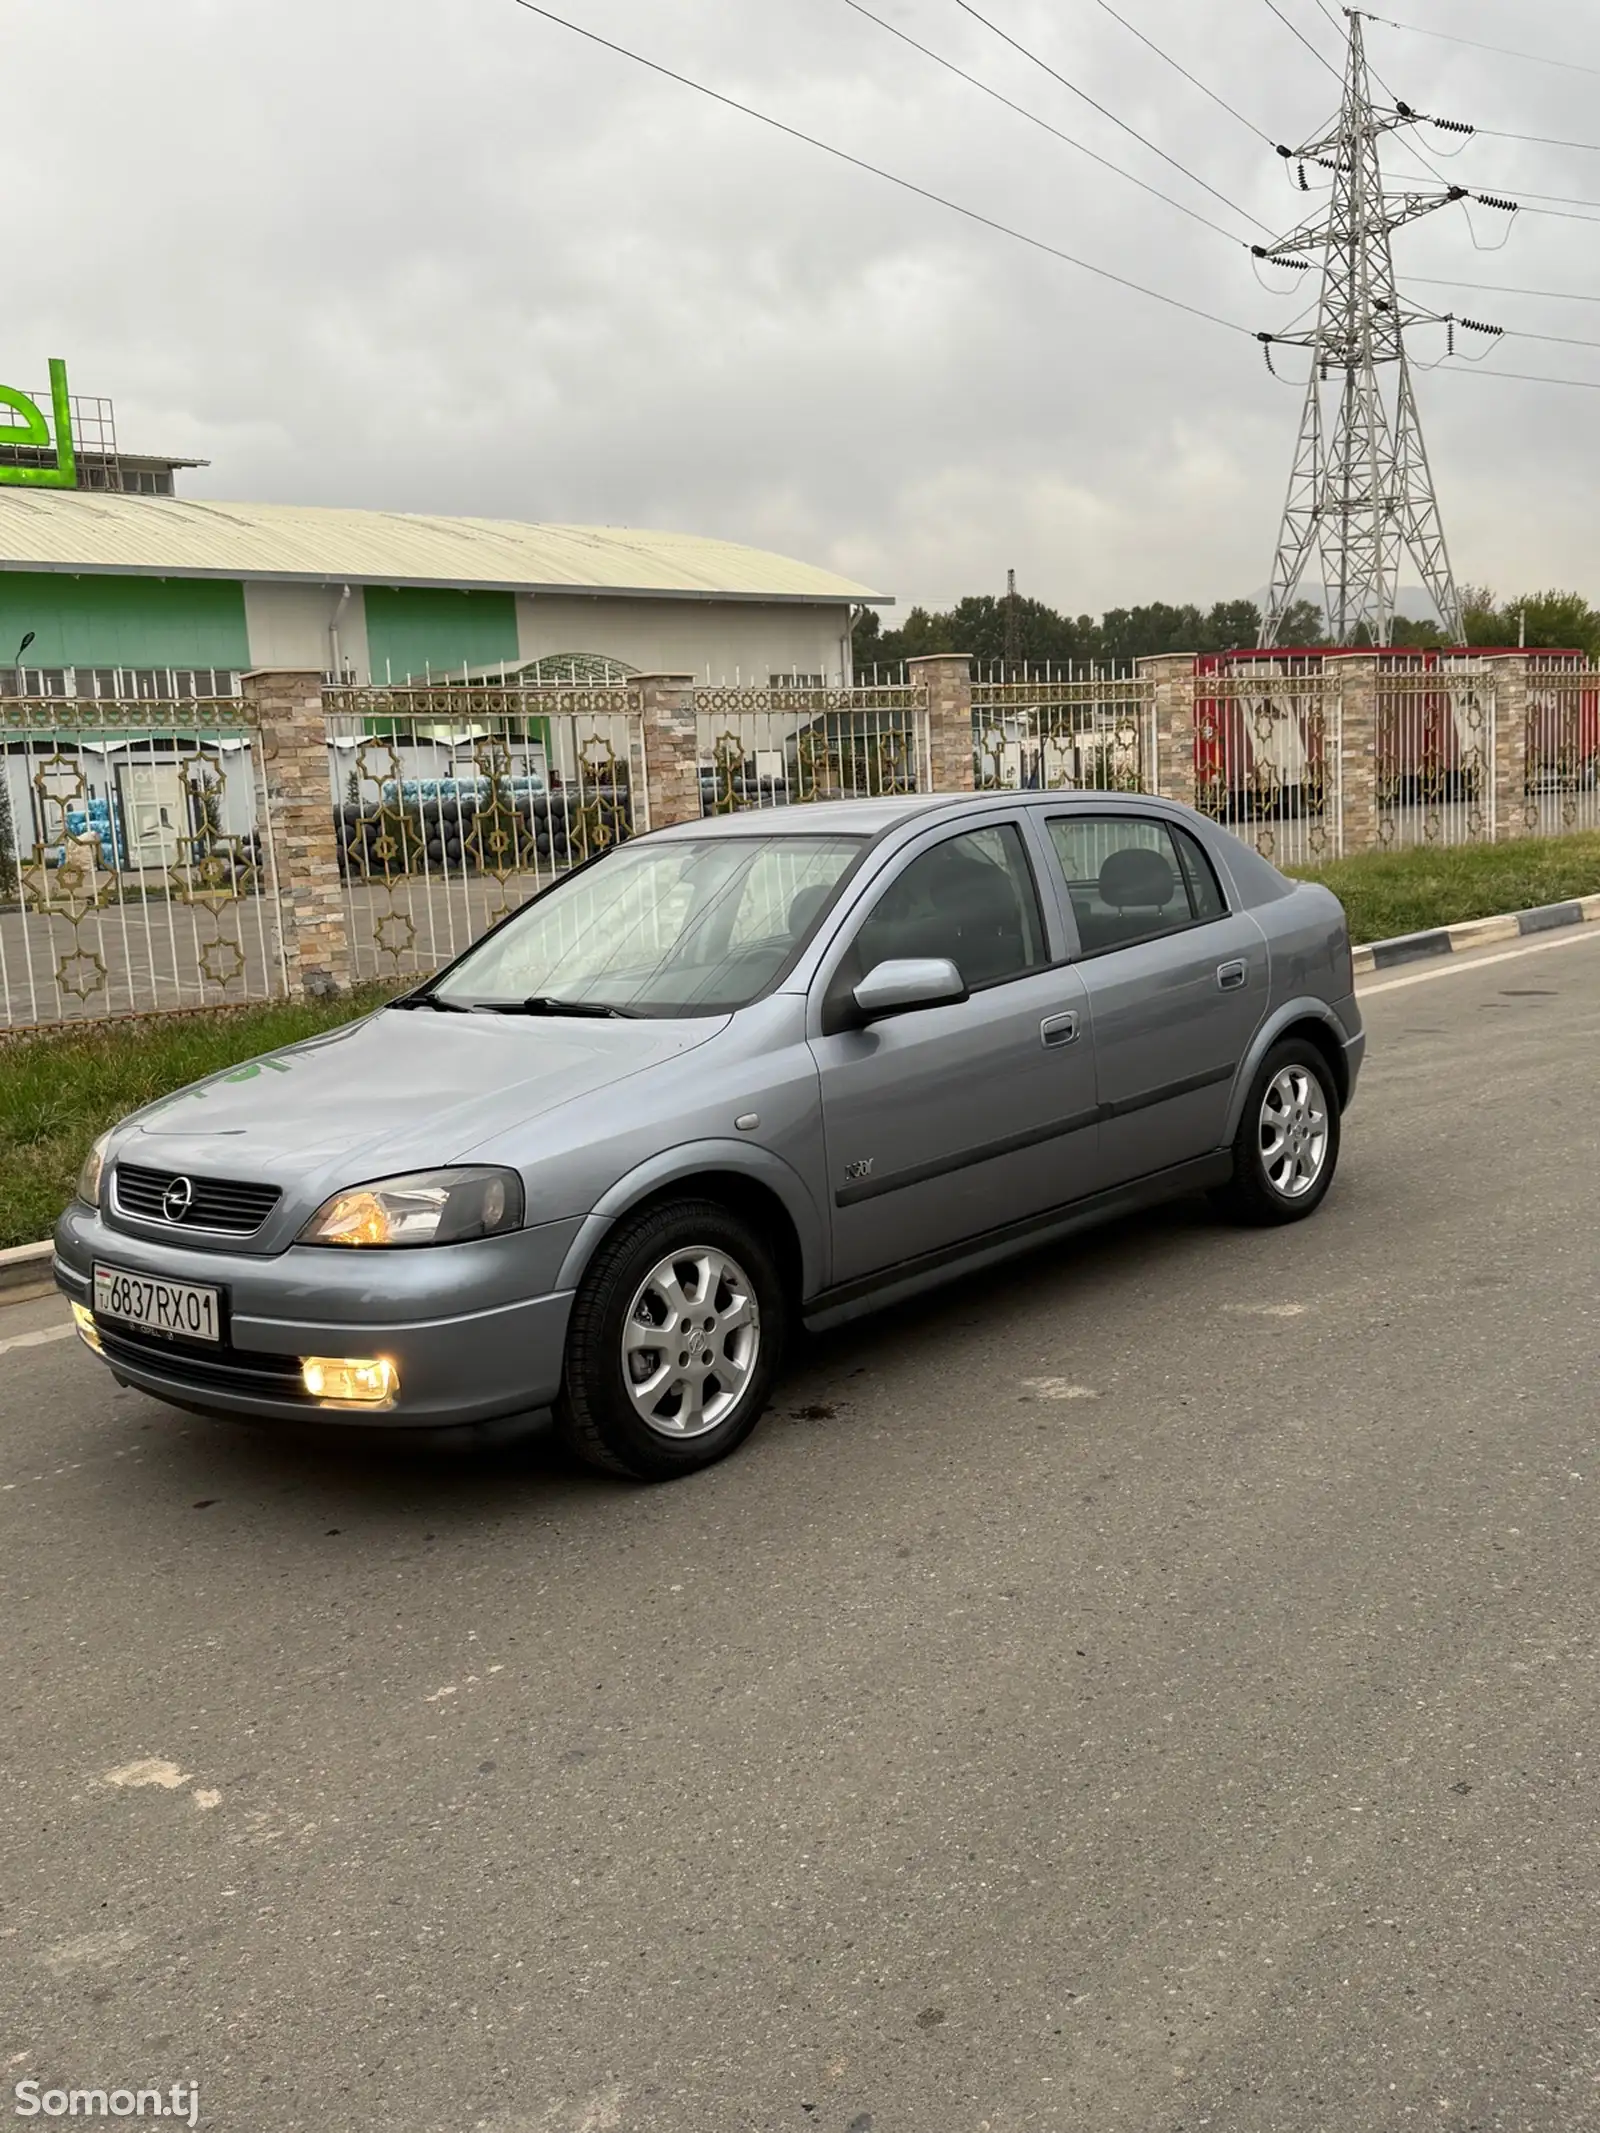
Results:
<point x="895" y="988"/>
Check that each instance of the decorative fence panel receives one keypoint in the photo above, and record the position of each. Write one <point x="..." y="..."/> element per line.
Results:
<point x="1562" y="752"/>
<point x="455" y="805"/>
<point x="760" y="748"/>
<point x="1434" y="758"/>
<point x="1268" y="756"/>
<point x="136" y="860"/>
<point x="1092" y="734"/>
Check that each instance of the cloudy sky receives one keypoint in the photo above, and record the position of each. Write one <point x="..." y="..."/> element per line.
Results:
<point x="441" y="255"/>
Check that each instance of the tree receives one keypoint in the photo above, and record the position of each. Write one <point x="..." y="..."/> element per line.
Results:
<point x="1303" y="625"/>
<point x="1417" y="635"/>
<point x="1546" y="621"/>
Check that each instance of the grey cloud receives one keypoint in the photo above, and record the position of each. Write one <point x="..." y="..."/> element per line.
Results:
<point x="438" y="255"/>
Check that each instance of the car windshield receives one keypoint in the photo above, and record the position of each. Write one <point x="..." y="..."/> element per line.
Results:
<point x="676" y="926"/>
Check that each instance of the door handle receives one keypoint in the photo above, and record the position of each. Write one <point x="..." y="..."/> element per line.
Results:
<point x="1230" y="976"/>
<point x="1057" y="1030"/>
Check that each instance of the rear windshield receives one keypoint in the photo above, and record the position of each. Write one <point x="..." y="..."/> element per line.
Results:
<point x="683" y="926"/>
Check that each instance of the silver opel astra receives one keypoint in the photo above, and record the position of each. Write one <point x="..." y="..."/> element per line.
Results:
<point x="778" y="1067"/>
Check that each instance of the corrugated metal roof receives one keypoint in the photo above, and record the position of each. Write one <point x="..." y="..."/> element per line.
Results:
<point x="174" y="536"/>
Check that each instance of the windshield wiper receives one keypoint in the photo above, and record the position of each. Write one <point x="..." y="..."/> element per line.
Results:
<point x="430" y="999"/>
<point x="543" y="1004"/>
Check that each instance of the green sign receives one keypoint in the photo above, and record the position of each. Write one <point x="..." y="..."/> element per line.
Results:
<point x="33" y="433"/>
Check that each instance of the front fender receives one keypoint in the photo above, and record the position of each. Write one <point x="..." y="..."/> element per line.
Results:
<point x="1306" y="1009"/>
<point x="693" y="1159"/>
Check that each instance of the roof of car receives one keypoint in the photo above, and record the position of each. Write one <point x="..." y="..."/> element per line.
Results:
<point x="868" y="818"/>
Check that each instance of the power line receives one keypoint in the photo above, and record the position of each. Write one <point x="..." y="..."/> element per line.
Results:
<point x="1538" y="140"/>
<point x="1161" y="53"/>
<point x="1083" y="95"/>
<point x="1500" y="288"/>
<point x="1294" y="31"/>
<point x="1524" y="377"/>
<point x="1537" y="59"/>
<point x="843" y="155"/>
<point x="1022" y="111"/>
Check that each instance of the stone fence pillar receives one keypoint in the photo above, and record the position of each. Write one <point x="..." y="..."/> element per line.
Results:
<point x="286" y="705"/>
<point x="947" y="677"/>
<point x="671" y="749"/>
<point x="1169" y="733"/>
<point x="1357" y="678"/>
<point x="1516" y="811"/>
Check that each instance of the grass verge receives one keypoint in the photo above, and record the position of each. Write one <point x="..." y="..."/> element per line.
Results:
<point x="1388" y="893"/>
<point x="57" y="1092"/>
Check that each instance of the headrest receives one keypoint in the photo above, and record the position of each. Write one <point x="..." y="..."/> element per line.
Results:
<point x="1137" y="879"/>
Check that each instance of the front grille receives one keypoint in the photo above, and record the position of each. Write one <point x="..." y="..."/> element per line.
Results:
<point x="222" y="1205"/>
<point x="202" y="1370"/>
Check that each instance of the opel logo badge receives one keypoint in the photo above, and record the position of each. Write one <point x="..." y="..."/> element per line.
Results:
<point x="177" y="1199"/>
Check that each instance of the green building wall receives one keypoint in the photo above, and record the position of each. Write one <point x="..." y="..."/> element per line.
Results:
<point x="428" y="631"/>
<point x="122" y="622"/>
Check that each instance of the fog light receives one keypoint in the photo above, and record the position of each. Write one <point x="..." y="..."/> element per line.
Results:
<point x="83" y="1319"/>
<point x="369" y="1382"/>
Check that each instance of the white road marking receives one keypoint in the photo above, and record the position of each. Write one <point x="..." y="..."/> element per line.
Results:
<point x="1060" y="1389"/>
<point x="152" y="1770"/>
<point x="1454" y="966"/>
<point x="1268" y="1310"/>
<point x="37" y="1340"/>
<point x="207" y="1796"/>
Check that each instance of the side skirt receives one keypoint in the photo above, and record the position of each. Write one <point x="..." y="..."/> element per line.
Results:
<point x="910" y="1277"/>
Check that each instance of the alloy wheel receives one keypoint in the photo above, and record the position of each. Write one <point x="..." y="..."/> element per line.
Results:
<point x="1293" y="1132"/>
<point x="690" y="1342"/>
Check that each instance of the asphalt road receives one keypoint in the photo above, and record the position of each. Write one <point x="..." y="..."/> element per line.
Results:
<point x="1152" y="1687"/>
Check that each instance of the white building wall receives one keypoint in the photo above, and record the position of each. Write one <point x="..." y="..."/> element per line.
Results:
<point x="294" y="626"/>
<point x="731" y="641"/>
<point x="720" y="641"/>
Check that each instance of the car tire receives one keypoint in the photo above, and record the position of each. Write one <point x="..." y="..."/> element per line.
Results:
<point x="694" y="1270"/>
<point x="1286" y="1150"/>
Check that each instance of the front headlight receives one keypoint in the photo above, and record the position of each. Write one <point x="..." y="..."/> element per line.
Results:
<point x="426" y="1207"/>
<point x="94" y="1163"/>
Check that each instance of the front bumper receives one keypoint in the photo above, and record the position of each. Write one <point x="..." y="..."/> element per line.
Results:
<point x="476" y="1331"/>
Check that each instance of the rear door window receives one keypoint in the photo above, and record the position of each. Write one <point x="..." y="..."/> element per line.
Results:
<point x="1131" y="879"/>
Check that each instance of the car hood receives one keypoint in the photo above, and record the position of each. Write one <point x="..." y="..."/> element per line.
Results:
<point x="395" y="1091"/>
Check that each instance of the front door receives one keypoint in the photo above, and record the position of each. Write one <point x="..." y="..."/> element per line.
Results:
<point x="952" y="1121"/>
<point x="1177" y="987"/>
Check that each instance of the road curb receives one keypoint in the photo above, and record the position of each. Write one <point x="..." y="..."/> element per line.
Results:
<point x="25" y="1266"/>
<point x="1474" y="933"/>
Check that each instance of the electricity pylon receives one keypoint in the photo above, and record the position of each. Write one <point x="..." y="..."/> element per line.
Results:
<point x="1361" y="492"/>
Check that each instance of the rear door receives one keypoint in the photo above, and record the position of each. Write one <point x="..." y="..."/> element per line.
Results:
<point x="953" y="1121"/>
<point x="1177" y="985"/>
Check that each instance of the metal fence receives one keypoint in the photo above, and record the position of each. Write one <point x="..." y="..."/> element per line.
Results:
<point x="136" y="861"/>
<point x="1563" y="746"/>
<point x="1095" y="733"/>
<point x="1268" y="756"/>
<point x="1434" y="767"/>
<point x="455" y="805"/>
<point x="774" y="747"/>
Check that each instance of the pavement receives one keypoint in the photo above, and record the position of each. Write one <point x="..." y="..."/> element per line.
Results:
<point x="1151" y="1686"/>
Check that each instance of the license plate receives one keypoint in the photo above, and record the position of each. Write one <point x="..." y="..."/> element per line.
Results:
<point x="179" y="1308"/>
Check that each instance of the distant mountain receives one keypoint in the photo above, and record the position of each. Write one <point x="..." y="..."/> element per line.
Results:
<point x="1411" y="601"/>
